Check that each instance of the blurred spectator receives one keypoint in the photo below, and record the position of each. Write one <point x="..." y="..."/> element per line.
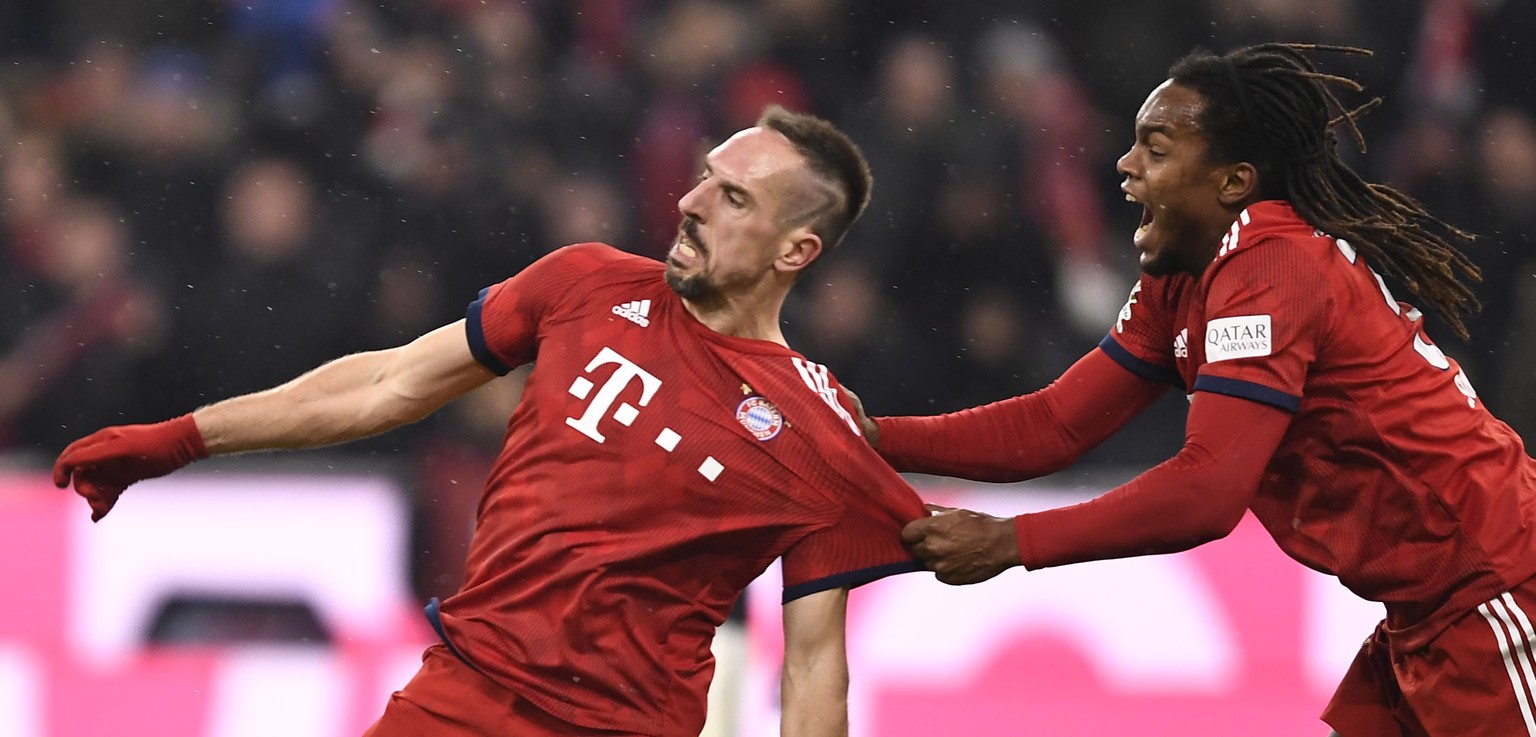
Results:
<point x="686" y="51"/>
<point x="1059" y="145"/>
<point x="91" y="332"/>
<point x="280" y="260"/>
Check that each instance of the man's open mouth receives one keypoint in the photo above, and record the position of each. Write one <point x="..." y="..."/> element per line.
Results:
<point x="1146" y="216"/>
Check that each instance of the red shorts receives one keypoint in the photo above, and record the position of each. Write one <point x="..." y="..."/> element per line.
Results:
<point x="1475" y="679"/>
<point x="447" y="697"/>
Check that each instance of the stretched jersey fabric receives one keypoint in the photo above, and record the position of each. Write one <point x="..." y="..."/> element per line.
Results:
<point x="653" y="469"/>
<point x="1392" y="475"/>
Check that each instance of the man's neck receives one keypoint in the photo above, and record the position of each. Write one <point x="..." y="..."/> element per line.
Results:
<point x="754" y="316"/>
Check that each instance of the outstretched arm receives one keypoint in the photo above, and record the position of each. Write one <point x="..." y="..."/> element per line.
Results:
<point x="346" y="399"/>
<point x="814" y="685"/>
<point x="1024" y="437"/>
<point x="1197" y="496"/>
<point x="350" y="398"/>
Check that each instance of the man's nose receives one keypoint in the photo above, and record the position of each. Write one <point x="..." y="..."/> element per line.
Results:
<point x="689" y="203"/>
<point x="1123" y="164"/>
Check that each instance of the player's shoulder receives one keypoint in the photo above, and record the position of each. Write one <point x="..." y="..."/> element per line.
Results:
<point x="1270" y="240"/>
<point x="594" y="256"/>
<point x="588" y="266"/>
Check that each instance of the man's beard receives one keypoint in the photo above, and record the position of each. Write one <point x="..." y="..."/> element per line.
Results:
<point x="693" y="288"/>
<point x="696" y="287"/>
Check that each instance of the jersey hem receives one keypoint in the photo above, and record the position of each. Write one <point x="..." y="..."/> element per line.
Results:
<point x="849" y="579"/>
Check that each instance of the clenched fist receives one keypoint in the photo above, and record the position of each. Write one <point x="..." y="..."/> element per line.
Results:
<point x="107" y="461"/>
<point x="961" y="546"/>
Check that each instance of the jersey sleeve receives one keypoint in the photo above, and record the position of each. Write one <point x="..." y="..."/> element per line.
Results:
<point x="1141" y="340"/>
<point x="502" y="324"/>
<point x="862" y="545"/>
<point x="1267" y="306"/>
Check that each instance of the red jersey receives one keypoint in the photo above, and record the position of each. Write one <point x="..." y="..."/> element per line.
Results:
<point x="1392" y="475"/>
<point x="652" y="470"/>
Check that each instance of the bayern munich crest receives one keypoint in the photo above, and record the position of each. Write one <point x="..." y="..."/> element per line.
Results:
<point x="760" y="417"/>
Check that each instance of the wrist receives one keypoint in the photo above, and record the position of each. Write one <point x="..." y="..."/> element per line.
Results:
<point x="1019" y="527"/>
<point x="189" y="437"/>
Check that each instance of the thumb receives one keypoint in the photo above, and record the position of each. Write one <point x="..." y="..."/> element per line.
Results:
<point x="915" y="531"/>
<point x="937" y="509"/>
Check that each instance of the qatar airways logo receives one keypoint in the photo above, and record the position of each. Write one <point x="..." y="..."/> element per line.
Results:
<point x="1245" y="336"/>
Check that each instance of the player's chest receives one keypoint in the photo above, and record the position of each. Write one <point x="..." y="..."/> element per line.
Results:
<point x="666" y="406"/>
<point x="1198" y="339"/>
<point x="1190" y="334"/>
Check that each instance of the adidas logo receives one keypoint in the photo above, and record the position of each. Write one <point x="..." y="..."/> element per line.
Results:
<point x="1181" y="344"/>
<point x="635" y="312"/>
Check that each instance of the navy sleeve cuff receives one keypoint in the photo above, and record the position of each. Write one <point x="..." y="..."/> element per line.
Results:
<point x="475" y="332"/>
<point x="849" y="579"/>
<point x="434" y="613"/>
<point x="1248" y="390"/>
<point x="1144" y="369"/>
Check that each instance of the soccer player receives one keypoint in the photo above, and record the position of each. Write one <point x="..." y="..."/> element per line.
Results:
<point x="1316" y="401"/>
<point x="669" y="446"/>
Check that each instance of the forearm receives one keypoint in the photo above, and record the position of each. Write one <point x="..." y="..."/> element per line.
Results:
<point x="814" y="681"/>
<point x="352" y="397"/>
<point x="332" y="404"/>
<point x="1170" y="508"/>
<point x="815" y="700"/>
<point x="1195" y="497"/>
<point x="1023" y="437"/>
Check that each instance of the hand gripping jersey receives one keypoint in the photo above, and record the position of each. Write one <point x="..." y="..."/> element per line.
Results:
<point x="1392" y="476"/>
<point x="652" y="470"/>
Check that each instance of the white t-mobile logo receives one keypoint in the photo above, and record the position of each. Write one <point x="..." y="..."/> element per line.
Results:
<point x="625" y="413"/>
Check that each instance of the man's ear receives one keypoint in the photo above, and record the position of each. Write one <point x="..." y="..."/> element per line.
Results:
<point x="800" y="248"/>
<point x="1239" y="184"/>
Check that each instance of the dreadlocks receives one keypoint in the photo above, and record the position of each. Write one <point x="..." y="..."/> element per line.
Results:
<point x="1269" y="106"/>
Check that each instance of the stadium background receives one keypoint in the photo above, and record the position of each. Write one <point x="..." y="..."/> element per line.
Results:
<point x="205" y="197"/>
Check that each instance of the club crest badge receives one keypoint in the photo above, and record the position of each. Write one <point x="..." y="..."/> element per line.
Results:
<point x="760" y="417"/>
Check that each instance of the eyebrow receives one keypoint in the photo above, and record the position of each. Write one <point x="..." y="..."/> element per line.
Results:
<point x="1147" y="129"/>
<point x="728" y="185"/>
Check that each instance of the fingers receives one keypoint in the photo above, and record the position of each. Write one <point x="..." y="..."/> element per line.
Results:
<point x="82" y="452"/>
<point x="955" y="579"/>
<point x="100" y="494"/>
<point x="67" y="462"/>
<point x="938" y="508"/>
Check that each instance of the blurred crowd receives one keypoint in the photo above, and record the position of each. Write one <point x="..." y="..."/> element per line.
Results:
<point x="200" y="198"/>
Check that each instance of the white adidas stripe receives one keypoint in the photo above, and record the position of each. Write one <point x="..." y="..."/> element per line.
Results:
<point x="1515" y="641"/>
<point x="815" y="377"/>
